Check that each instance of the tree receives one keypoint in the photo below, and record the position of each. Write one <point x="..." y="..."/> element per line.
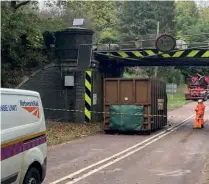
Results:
<point x="186" y="15"/>
<point x="141" y="17"/>
<point x="16" y="5"/>
<point x="164" y="13"/>
<point x="136" y="18"/>
<point x="108" y="36"/>
<point x="22" y="41"/>
<point x="191" y="24"/>
<point x="102" y="16"/>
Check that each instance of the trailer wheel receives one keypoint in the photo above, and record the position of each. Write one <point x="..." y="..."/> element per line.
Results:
<point x="148" y="132"/>
<point x="109" y="132"/>
<point x="106" y="131"/>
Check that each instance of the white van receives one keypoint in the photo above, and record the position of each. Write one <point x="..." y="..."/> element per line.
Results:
<point x="23" y="137"/>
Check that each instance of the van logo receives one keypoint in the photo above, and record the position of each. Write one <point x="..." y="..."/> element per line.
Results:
<point x="32" y="107"/>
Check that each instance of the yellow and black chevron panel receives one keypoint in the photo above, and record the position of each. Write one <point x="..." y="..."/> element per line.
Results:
<point x="88" y="95"/>
<point x="190" y="53"/>
<point x="126" y="54"/>
<point x="195" y="53"/>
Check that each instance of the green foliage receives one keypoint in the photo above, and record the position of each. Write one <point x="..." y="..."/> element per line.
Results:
<point x="191" y="24"/>
<point x="102" y="17"/>
<point x="23" y="28"/>
<point x="137" y="17"/>
<point x="164" y="12"/>
<point x="177" y="99"/>
<point x="51" y="25"/>
<point x="198" y="38"/>
<point x="204" y="12"/>
<point x="186" y="71"/>
<point x="186" y="14"/>
<point x="170" y="75"/>
<point x="141" y="17"/>
<point x="16" y="24"/>
<point x="167" y="74"/>
<point x="134" y="72"/>
<point x="22" y="41"/>
<point x="108" y="36"/>
<point x="19" y="37"/>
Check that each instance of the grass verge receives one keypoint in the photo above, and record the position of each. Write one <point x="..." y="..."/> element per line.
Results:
<point x="177" y="99"/>
<point x="60" y="132"/>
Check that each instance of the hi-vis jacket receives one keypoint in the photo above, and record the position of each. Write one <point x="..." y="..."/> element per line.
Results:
<point x="200" y="109"/>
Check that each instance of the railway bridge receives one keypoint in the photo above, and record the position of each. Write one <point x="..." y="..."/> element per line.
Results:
<point x="152" y="57"/>
<point x="82" y="69"/>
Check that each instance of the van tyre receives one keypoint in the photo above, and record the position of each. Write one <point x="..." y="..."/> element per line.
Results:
<point x="32" y="176"/>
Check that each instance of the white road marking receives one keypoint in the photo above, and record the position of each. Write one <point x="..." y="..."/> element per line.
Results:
<point x="195" y="153"/>
<point x="151" y="139"/>
<point x="159" y="151"/>
<point x="178" y="172"/>
<point x="111" y="171"/>
<point x="120" y="158"/>
<point x="95" y="149"/>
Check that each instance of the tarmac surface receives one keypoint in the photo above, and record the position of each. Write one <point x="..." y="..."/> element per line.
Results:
<point x="174" y="155"/>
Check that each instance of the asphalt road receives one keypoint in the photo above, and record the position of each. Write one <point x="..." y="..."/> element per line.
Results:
<point x="177" y="156"/>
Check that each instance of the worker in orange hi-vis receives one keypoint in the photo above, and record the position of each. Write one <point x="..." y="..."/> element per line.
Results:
<point x="200" y="110"/>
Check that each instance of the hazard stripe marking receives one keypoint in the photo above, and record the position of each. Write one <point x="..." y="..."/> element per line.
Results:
<point x="196" y="53"/>
<point x="89" y="73"/>
<point x="150" y="52"/>
<point x="123" y="54"/>
<point x="192" y="53"/>
<point x="137" y="53"/>
<point x="87" y="114"/>
<point x="88" y="95"/>
<point x="87" y="99"/>
<point x="206" y="54"/>
<point x="178" y="54"/>
<point x="166" y="55"/>
<point x="88" y="85"/>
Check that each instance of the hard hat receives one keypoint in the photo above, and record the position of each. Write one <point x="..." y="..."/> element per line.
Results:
<point x="200" y="101"/>
<point x="136" y="38"/>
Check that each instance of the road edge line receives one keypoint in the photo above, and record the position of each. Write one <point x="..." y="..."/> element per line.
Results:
<point x="122" y="152"/>
<point x="123" y="156"/>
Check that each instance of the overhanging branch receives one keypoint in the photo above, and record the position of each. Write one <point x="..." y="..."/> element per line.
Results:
<point x="16" y="6"/>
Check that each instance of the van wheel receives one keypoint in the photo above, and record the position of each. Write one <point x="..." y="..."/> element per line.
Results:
<point x="32" y="177"/>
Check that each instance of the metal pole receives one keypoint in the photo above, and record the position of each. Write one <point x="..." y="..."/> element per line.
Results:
<point x="158" y="27"/>
<point x="158" y="30"/>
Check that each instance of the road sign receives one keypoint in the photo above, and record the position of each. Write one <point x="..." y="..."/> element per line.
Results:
<point x="171" y="88"/>
<point x="165" y="43"/>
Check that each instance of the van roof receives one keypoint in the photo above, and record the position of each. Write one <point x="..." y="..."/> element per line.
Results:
<point x="18" y="91"/>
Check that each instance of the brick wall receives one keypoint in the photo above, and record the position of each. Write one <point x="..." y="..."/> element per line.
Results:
<point x="50" y="85"/>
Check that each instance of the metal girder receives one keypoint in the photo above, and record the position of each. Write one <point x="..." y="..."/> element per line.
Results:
<point x="152" y="57"/>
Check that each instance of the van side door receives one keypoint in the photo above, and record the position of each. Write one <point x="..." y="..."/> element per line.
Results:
<point x="11" y="145"/>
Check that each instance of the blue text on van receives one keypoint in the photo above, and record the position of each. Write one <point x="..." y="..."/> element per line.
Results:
<point x="8" y="107"/>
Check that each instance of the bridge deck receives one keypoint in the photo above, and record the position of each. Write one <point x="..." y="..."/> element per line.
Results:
<point x="151" y="57"/>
